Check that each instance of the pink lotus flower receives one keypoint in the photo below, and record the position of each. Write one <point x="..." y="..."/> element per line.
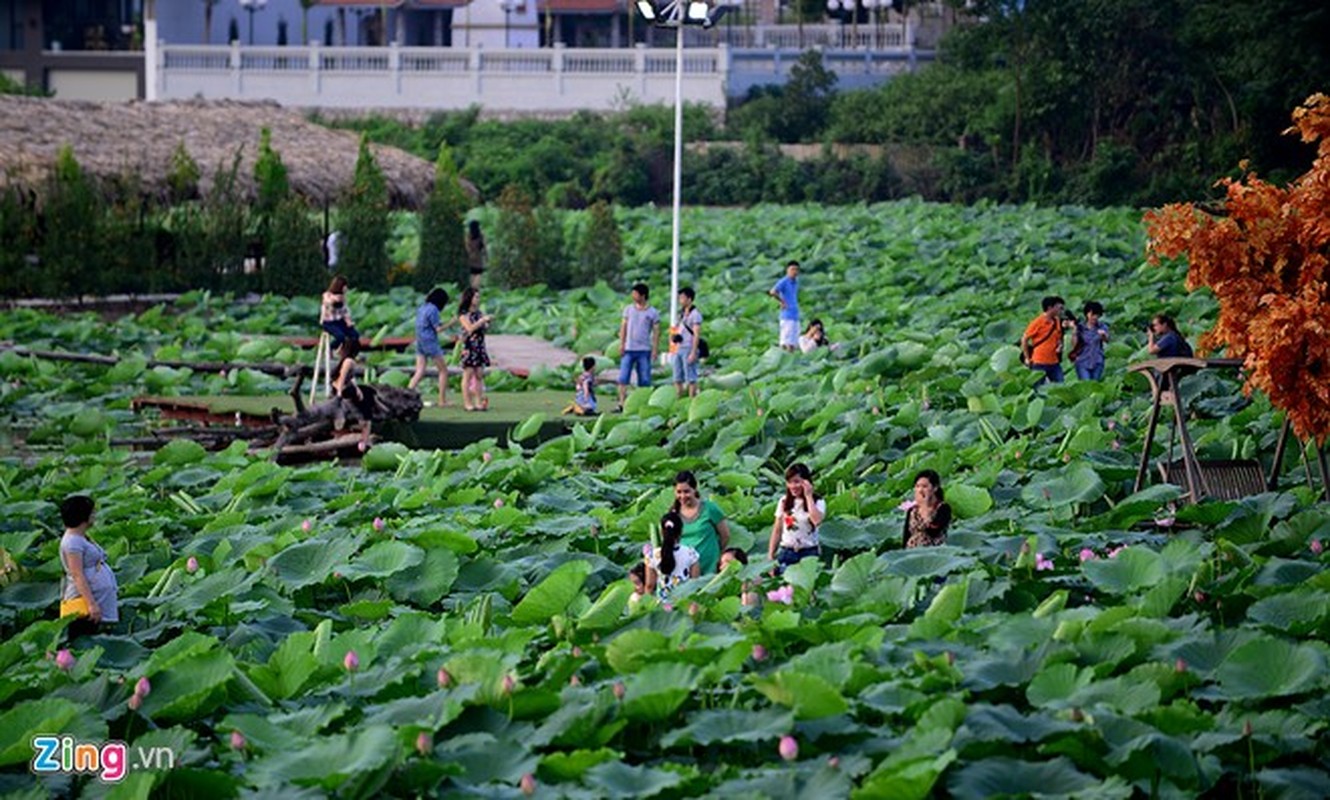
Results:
<point x="906" y="505"/>
<point x="1114" y="552"/>
<point x="1041" y="563"/>
<point x="498" y="502"/>
<point x="306" y="526"/>
<point x="1317" y="547"/>
<point x="1179" y="666"/>
<point x="143" y="688"/>
<point x="1087" y="555"/>
<point x="509" y="684"/>
<point x="64" y="660"/>
<point x="192" y="565"/>
<point x="619" y="690"/>
<point x="646" y="550"/>
<point x="443" y="678"/>
<point x="759" y="653"/>
<point x="237" y="740"/>
<point x="667" y="605"/>
<point x="1166" y="522"/>
<point x="378" y="523"/>
<point x="424" y="742"/>
<point x="351" y="661"/>
<point x="362" y="446"/>
<point x="135" y="702"/>
<point x="789" y="748"/>
<point x="528" y="784"/>
<point x="784" y="594"/>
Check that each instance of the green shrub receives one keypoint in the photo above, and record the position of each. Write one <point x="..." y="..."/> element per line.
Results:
<point x="68" y="245"/>
<point x="442" y="235"/>
<point x="599" y="248"/>
<point x="514" y="243"/>
<point x="364" y="226"/>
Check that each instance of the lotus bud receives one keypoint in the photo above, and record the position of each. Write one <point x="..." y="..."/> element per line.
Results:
<point x="508" y="684"/>
<point x="528" y="784"/>
<point x="378" y="523"/>
<point x="64" y="660"/>
<point x="789" y="748"/>
<point x="834" y="762"/>
<point x="1017" y="454"/>
<point x="759" y="412"/>
<point x="443" y="678"/>
<point x="486" y="457"/>
<point x="498" y="502"/>
<point x="574" y="681"/>
<point x="1246" y="728"/>
<point x="577" y="651"/>
<point x="306" y="526"/>
<point x="759" y="653"/>
<point x="221" y="373"/>
<point x="351" y="661"/>
<point x="237" y="740"/>
<point x="1199" y="596"/>
<point x="192" y="565"/>
<point x="1112" y="424"/>
<point x="1066" y="458"/>
<point x="876" y="411"/>
<point x="1179" y="666"/>
<point x="135" y="701"/>
<point x="337" y="575"/>
<point x="667" y="606"/>
<point x="694" y="609"/>
<point x="1087" y="555"/>
<point x="1117" y="445"/>
<point x="1317" y="547"/>
<point x="619" y="689"/>
<point x="1166" y="522"/>
<point x="424" y="742"/>
<point x="143" y="688"/>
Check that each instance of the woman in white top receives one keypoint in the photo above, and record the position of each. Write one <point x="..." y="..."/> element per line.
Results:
<point x="798" y="515"/>
<point x="672" y="563"/>
<point x="335" y="316"/>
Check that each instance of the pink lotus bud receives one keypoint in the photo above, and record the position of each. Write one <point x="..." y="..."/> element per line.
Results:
<point x="577" y="651"/>
<point x="876" y="411"/>
<point x="135" y="701"/>
<point x="1246" y="728"/>
<point x="667" y="606"/>
<point x="1087" y="555"/>
<point x="221" y="372"/>
<point x="424" y="742"/>
<point x="694" y="609"/>
<point x="486" y="457"/>
<point x="443" y="678"/>
<point x="759" y="412"/>
<point x="1066" y="458"/>
<point x="834" y="762"/>
<point x="508" y="684"/>
<point x="1166" y="522"/>
<point x="1199" y="596"/>
<point x="906" y="506"/>
<point x="306" y="526"/>
<point x="528" y="784"/>
<point x="64" y="660"/>
<point x="759" y="653"/>
<point x="362" y="446"/>
<point x="1041" y="563"/>
<point x="143" y="688"/>
<point x="1112" y="424"/>
<point x="1017" y="454"/>
<point x="574" y="681"/>
<point x="646" y="550"/>
<point x="1179" y="666"/>
<point x="337" y="575"/>
<point x="619" y="689"/>
<point x="789" y="748"/>
<point x="192" y="565"/>
<point x="237" y="740"/>
<point x="1114" y="552"/>
<point x="498" y="502"/>
<point x="378" y="523"/>
<point x="351" y="661"/>
<point x="1316" y="546"/>
<point x="1117" y="445"/>
<point x="784" y="594"/>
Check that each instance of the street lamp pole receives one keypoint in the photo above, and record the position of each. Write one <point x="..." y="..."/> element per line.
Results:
<point x="250" y="6"/>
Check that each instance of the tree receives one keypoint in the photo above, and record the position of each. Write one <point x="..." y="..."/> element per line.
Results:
<point x="293" y="260"/>
<point x="305" y="6"/>
<point x="514" y="244"/>
<point x="442" y="238"/>
<point x="1266" y="257"/>
<point x="600" y="250"/>
<point x="365" y="227"/>
<point x="207" y="20"/>
<point x="68" y="244"/>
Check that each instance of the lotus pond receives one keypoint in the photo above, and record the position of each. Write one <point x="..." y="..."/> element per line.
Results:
<point x="457" y="623"/>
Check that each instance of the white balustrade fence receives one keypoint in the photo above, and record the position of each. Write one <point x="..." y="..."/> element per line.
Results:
<point x="554" y="79"/>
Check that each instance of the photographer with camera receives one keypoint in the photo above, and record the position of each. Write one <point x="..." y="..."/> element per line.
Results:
<point x="1170" y="343"/>
<point x="1041" y="346"/>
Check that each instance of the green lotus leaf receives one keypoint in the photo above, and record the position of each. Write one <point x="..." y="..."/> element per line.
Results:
<point x="329" y="762"/>
<point x="1078" y="483"/>
<point x="528" y="427"/>
<point x="383" y="559"/>
<point x="810" y="696"/>
<point x="553" y="595"/>
<point x="48" y="715"/>
<point x="427" y="582"/>
<point x="1131" y="570"/>
<point x="656" y="692"/>
<point x="1002" y="777"/>
<point x="725" y="726"/>
<point x="617" y="779"/>
<point x="1266" y="667"/>
<point x="312" y="561"/>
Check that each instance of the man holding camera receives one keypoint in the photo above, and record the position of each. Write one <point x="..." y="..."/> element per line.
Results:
<point x="1041" y="346"/>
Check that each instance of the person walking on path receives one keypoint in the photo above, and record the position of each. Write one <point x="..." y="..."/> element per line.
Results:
<point x="786" y="292"/>
<point x="475" y="358"/>
<point x="1041" y="346"/>
<point x="639" y="340"/>
<point x="335" y="316"/>
<point x="704" y="526"/>
<point x="686" y="354"/>
<point x="90" y="591"/>
<point x="428" y="348"/>
<point x="1087" y="354"/>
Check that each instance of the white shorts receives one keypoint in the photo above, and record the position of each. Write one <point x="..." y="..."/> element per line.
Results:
<point x="789" y="333"/>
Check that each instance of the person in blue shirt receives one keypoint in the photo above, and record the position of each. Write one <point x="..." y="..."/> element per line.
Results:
<point x="428" y="347"/>
<point x="1170" y="343"/>
<point x="1087" y="354"/>
<point x="786" y="292"/>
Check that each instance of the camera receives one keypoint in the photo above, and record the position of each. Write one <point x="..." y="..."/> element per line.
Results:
<point x="677" y="338"/>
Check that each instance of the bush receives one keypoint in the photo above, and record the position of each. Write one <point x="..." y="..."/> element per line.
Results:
<point x="442" y="235"/>
<point x="68" y="243"/>
<point x="599" y="249"/>
<point x="364" y="226"/>
<point x="514" y="243"/>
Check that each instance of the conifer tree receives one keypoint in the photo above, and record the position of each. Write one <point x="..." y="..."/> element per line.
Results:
<point x="363" y="256"/>
<point x="442" y="235"/>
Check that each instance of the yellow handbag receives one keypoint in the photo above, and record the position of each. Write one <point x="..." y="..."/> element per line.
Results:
<point x="78" y="607"/>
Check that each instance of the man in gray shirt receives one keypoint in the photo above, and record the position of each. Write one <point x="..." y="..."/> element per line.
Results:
<point x="639" y="341"/>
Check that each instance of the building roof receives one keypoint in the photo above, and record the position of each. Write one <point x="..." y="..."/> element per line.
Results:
<point x="115" y="140"/>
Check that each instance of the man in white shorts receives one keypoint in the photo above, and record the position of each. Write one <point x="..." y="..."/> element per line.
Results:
<point x="786" y="292"/>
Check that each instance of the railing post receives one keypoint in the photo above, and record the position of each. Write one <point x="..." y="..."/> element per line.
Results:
<point x="237" y="84"/>
<point x="395" y="67"/>
<point x="558" y="55"/>
<point x="640" y="67"/>
<point x="474" y="64"/>
<point x="723" y="56"/>
<point x="315" y="68"/>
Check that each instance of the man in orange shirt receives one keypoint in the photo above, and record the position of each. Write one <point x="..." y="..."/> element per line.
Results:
<point x="1042" y="342"/>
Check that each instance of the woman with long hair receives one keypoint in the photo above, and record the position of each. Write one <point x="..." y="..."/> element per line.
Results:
<point x="428" y="347"/>
<point x="335" y="316"/>
<point x="704" y="526"/>
<point x="672" y="563"/>
<point x="475" y="358"/>
<point x="928" y="517"/>
<point x="794" y="534"/>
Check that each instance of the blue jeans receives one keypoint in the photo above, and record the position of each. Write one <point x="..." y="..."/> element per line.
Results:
<point x="1090" y="373"/>
<point x="1052" y="373"/>
<point x="684" y="372"/>
<point x="635" y="360"/>
<point x="340" y="331"/>
<point x="787" y="557"/>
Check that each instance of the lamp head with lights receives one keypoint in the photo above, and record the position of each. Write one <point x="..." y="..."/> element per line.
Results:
<point x="672" y="13"/>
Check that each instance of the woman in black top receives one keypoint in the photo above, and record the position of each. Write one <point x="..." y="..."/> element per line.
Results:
<point x="927" y="520"/>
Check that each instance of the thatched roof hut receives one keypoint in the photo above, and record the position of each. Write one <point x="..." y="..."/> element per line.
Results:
<point x="113" y="140"/>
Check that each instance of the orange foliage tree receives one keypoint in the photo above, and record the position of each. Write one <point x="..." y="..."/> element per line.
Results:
<point x="1265" y="257"/>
